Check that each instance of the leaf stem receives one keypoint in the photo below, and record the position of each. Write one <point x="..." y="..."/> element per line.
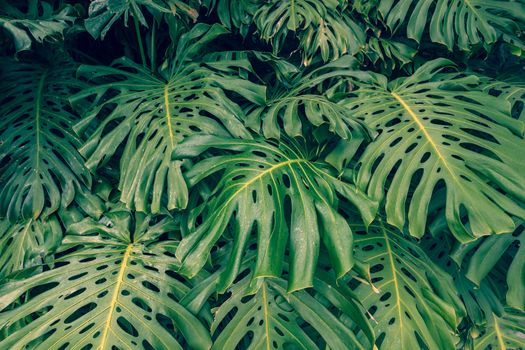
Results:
<point x="153" y="51"/>
<point x="139" y="38"/>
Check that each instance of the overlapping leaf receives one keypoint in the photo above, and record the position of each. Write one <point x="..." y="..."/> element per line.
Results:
<point x="149" y="116"/>
<point x="40" y="167"/>
<point x="117" y="289"/>
<point x="487" y="252"/>
<point x="25" y="244"/>
<point x="321" y="26"/>
<point x="257" y="179"/>
<point x="411" y="299"/>
<point x="456" y="23"/>
<point x="441" y="130"/>
<point x="38" y="23"/>
<point x="104" y="13"/>
<point x="261" y="314"/>
<point x="235" y="14"/>
<point x="505" y="332"/>
<point x="296" y="101"/>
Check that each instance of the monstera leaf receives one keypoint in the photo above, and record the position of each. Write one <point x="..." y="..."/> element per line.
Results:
<point x="260" y="313"/>
<point x="461" y="23"/>
<point x="104" y="13"/>
<point x="411" y="300"/>
<point x="295" y="102"/>
<point x="438" y="130"/>
<point x="24" y="244"/>
<point x="278" y="191"/>
<point x="388" y="53"/>
<point x="40" y="167"/>
<point x="509" y="85"/>
<point x="235" y="14"/>
<point x="321" y="27"/>
<point x="487" y="252"/>
<point x="149" y="116"/>
<point x="112" y="287"/>
<point x="38" y="23"/>
<point x="502" y="333"/>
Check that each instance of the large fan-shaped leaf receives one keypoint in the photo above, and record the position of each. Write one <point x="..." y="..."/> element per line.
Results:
<point x="257" y="181"/>
<point x="150" y="116"/>
<point x="461" y="23"/>
<point x="116" y="290"/>
<point x="412" y="300"/>
<point x="40" y="167"/>
<point x="320" y="26"/>
<point x="104" y="13"/>
<point x="441" y="129"/>
<point x="39" y="22"/>
<point x="24" y="244"/>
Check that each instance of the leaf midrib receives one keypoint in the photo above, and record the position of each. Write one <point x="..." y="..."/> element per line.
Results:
<point x="114" y="298"/>
<point x="394" y="277"/>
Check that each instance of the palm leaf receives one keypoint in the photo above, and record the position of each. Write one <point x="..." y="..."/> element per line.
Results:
<point x="149" y="116"/>
<point x="40" y="167"/>
<point x="257" y="180"/>
<point x="456" y="23"/>
<point x="441" y="130"/>
<point x="412" y="300"/>
<point x="111" y="287"/>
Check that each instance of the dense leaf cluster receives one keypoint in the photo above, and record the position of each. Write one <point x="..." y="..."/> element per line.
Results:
<point x="262" y="174"/>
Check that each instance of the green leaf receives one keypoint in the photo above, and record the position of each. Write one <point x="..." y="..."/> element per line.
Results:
<point x="321" y="27"/>
<point x="40" y="22"/>
<point x="40" y="167"/>
<point x="294" y="103"/>
<point x="261" y="314"/>
<point x="234" y="14"/>
<point x="487" y="252"/>
<point x="258" y="180"/>
<point x="439" y="130"/>
<point x="104" y="13"/>
<point x="112" y="287"/>
<point x="25" y="244"/>
<point x="503" y="333"/>
<point x="456" y="23"/>
<point x="510" y="86"/>
<point x="411" y="300"/>
<point x="149" y="116"/>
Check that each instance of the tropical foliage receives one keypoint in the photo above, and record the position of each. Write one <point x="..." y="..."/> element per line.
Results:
<point x="262" y="174"/>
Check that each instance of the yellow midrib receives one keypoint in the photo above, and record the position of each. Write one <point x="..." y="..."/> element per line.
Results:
<point x="114" y="298"/>
<point x="263" y="173"/>
<point x="422" y="128"/>
<point x="396" y="284"/>
<point x="266" y="323"/>
<point x="501" y="343"/>
<point x="168" y="114"/>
